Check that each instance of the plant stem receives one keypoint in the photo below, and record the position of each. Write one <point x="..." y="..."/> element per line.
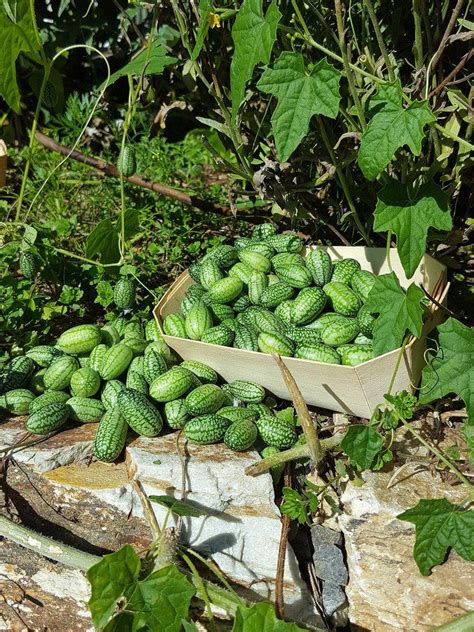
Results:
<point x="345" y="59"/>
<point x="378" y="34"/>
<point x="418" y="44"/>
<point x="342" y="180"/>
<point x="387" y="249"/>
<point x="397" y="364"/>
<point x="435" y="451"/>
<point x="24" y="180"/>
<point x="46" y="546"/>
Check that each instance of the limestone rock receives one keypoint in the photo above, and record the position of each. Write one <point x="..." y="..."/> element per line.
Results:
<point x="386" y="591"/>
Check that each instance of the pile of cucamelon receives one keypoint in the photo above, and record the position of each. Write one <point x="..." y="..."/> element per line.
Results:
<point x="262" y="294"/>
<point x="124" y="376"/>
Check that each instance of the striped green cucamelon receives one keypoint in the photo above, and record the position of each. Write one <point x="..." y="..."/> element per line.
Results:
<point x="309" y="303"/>
<point x="116" y="361"/>
<point x="86" y="409"/>
<point x="136" y="381"/>
<point x="110" y="393"/>
<point x="84" y="360"/>
<point x="319" y="264"/>
<point x="276" y="432"/>
<point x="340" y="332"/>
<point x="80" y="339"/>
<point x="284" y="312"/>
<point x="176" y="414"/>
<point x="236" y="413"/>
<point x="267" y="322"/>
<point x="356" y="354"/>
<point x="255" y="260"/>
<point x="241" y="303"/>
<point x="245" y="338"/>
<point x="225" y="256"/>
<point x="124" y="293"/>
<point x="343" y="300"/>
<point x="206" y="429"/>
<point x="221" y="312"/>
<point x="318" y="353"/>
<point x="48" y="418"/>
<point x="162" y="348"/>
<point x="171" y="385"/>
<point x="263" y="231"/>
<point x="111" y="436"/>
<point x="210" y="273"/>
<point x="262" y="247"/>
<point x="286" y="242"/>
<point x="152" y="333"/>
<point x="127" y="161"/>
<point x="241" y="435"/>
<point x="323" y="320"/>
<point x="198" y="321"/>
<point x="241" y="271"/>
<point x="247" y="391"/>
<point x="362" y="282"/>
<point x="50" y="397"/>
<point x="29" y="264"/>
<point x="302" y="336"/>
<point x="287" y="259"/>
<point x="174" y="325"/>
<point x="154" y="365"/>
<point x="363" y="340"/>
<point x="205" y="373"/>
<point x="205" y="399"/>
<point x="138" y="365"/>
<point x="133" y="329"/>
<point x="58" y="374"/>
<point x="142" y="416"/>
<point x="296" y="276"/>
<point x="109" y="335"/>
<point x="43" y="355"/>
<point x="260" y="409"/>
<point x="136" y="344"/>
<point x="194" y="272"/>
<point x="242" y="242"/>
<point x="120" y="323"/>
<point x="85" y="382"/>
<point x="97" y="356"/>
<point x="226" y="290"/>
<point x="17" y="401"/>
<point x="275" y="294"/>
<point x="366" y="321"/>
<point x="219" y="335"/>
<point x="344" y="269"/>
<point x="16" y="374"/>
<point x="275" y="343"/>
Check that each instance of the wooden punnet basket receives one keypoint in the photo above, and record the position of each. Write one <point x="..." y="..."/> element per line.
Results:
<point x="352" y="390"/>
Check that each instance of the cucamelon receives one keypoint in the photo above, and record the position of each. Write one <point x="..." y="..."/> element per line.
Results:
<point x="141" y="415"/>
<point x="241" y="435"/>
<point x="111" y="436"/>
<point x="80" y="339"/>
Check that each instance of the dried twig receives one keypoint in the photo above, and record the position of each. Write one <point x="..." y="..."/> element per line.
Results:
<point x="110" y="170"/>
<point x="451" y="24"/>
<point x="452" y="74"/>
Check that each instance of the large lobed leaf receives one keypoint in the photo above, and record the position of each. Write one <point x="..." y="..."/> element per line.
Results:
<point x="409" y="214"/>
<point x="17" y="35"/>
<point x="261" y="617"/>
<point x="300" y="95"/>
<point x="390" y="128"/>
<point x="399" y="312"/>
<point x="362" y="444"/>
<point x="254" y="35"/>
<point x="451" y="370"/>
<point x="440" y="526"/>
<point x="139" y="65"/>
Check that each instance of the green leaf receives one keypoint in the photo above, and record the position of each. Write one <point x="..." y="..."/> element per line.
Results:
<point x="398" y="311"/>
<point x="17" y="34"/>
<point x="29" y="237"/>
<point x="189" y="626"/>
<point x="105" y="293"/>
<point x="452" y="368"/>
<point x="161" y="601"/>
<point x="388" y="95"/>
<point x="409" y="215"/>
<point x="391" y="128"/>
<point x="440" y="525"/>
<point x="300" y="94"/>
<point x="254" y="35"/>
<point x="362" y="444"/>
<point x="261" y="617"/>
<point x="293" y="505"/>
<point x="103" y="241"/>
<point x="138" y="66"/>
<point x="205" y="8"/>
<point x="111" y="579"/>
<point x="179" y="507"/>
